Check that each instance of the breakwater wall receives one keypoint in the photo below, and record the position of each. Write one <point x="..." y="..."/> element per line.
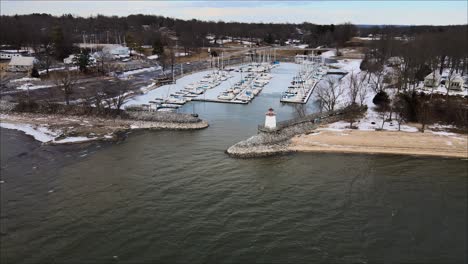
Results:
<point x="275" y="141"/>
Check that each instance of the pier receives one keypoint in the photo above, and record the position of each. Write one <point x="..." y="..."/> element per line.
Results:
<point x="219" y="101"/>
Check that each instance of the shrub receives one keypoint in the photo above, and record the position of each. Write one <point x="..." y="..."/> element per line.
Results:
<point x="35" y="73"/>
<point x="381" y="98"/>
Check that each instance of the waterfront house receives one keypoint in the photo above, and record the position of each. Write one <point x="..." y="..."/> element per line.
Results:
<point x="432" y="79"/>
<point x="21" y="64"/>
<point x="8" y="54"/>
<point x="456" y="83"/>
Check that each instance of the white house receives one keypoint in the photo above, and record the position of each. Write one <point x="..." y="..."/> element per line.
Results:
<point x="8" y="54"/>
<point x="69" y="59"/>
<point x="117" y="51"/>
<point x="432" y="79"/>
<point x="456" y="83"/>
<point x="21" y="64"/>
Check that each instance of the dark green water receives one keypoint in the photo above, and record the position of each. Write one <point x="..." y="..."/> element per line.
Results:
<point x="176" y="197"/>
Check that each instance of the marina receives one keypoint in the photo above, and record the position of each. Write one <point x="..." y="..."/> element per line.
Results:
<point x="240" y="86"/>
<point x="303" y="84"/>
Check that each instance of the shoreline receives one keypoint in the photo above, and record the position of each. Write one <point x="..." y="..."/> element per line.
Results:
<point x="382" y="142"/>
<point x="362" y="142"/>
<point x="56" y="129"/>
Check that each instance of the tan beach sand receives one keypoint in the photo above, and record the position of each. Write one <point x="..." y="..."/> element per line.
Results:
<point x="382" y="142"/>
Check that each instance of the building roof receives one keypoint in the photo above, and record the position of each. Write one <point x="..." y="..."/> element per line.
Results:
<point x="457" y="78"/>
<point x="432" y="76"/>
<point x="22" y="61"/>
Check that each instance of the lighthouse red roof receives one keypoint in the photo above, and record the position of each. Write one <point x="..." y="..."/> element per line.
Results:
<point x="270" y="112"/>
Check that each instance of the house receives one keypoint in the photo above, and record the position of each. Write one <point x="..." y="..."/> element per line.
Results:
<point x="456" y="83"/>
<point x="117" y="51"/>
<point x="21" y="64"/>
<point x="8" y="54"/>
<point x="69" y="59"/>
<point x="432" y="79"/>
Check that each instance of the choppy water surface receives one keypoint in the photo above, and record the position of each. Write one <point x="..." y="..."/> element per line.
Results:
<point x="176" y="197"/>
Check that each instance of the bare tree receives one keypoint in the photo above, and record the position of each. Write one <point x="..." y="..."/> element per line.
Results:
<point x="66" y="82"/>
<point x="329" y="93"/>
<point x="300" y="110"/>
<point x="44" y="55"/>
<point x="104" y="60"/>
<point x="423" y="114"/>
<point x="400" y="108"/>
<point x="353" y="112"/>
<point x="122" y="96"/>
<point x="384" y="113"/>
<point x="376" y="76"/>
<point x="354" y="87"/>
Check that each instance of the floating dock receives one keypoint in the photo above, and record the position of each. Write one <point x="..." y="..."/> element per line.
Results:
<point x="304" y="100"/>
<point x="219" y="101"/>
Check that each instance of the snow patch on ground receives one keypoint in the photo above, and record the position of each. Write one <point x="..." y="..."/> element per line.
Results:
<point x="74" y="68"/>
<point x="43" y="134"/>
<point x="303" y="46"/>
<point x="29" y="86"/>
<point x="74" y="140"/>
<point x="328" y="54"/>
<point x="25" y="79"/>
<point x="442" y="90"/>
<point x="442" y="133"/>
<point x="149" y="69"/>
<point x="372" y="119"/>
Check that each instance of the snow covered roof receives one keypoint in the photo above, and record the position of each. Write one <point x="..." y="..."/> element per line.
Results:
<point x="153" y="57"/>
<point x="432" y="76"/>
<point x="116" y="50"/>
<point x="14" y="51"/>
<point x="457" y="78"/>
<point x="22" y="61"/>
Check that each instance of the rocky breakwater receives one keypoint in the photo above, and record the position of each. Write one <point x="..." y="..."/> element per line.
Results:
<point x="165" y="120"/>
<point x="70" y="125"/>
<point x="269" y="142"/>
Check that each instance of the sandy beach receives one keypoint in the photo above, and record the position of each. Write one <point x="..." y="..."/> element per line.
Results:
<point x="383" y="142"/>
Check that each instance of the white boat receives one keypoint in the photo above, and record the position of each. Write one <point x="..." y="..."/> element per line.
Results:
<point x="243" y="97"/>
<point x="191" y="86"/>
<point x="226" y="96"/>
<point x="175" y="100"/>
<point x="167" y="105"/>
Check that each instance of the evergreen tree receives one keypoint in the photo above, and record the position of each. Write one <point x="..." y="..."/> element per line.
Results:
<point x="82" y="60"/>
<point x="158" y="47"/>
<point x="62" y="46"/>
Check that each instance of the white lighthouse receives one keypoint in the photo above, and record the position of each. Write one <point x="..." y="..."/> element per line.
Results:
<point x="270" y="119"/>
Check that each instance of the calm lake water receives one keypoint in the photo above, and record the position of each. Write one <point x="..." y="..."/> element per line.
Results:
<point x="176" y="197"/>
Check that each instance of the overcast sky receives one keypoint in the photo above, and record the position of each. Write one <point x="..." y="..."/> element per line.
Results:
<point x="320" y="12"/>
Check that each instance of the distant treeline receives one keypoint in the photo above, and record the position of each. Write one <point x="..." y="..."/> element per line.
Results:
<point x="34" y="29"/>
